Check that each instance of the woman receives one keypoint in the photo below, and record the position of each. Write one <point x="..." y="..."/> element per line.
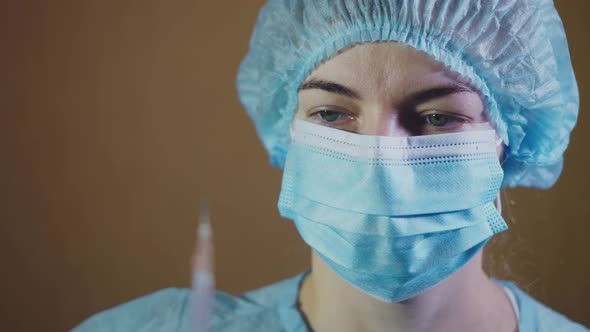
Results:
<point x="396" y="123"/>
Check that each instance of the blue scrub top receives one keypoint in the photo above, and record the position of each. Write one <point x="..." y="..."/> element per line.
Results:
<point x="272" y="308"/>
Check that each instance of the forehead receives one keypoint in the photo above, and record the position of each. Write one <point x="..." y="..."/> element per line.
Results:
<point x="384" y="67"/>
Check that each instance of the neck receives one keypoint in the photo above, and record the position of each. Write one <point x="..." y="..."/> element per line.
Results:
<point x="466" y="301"/>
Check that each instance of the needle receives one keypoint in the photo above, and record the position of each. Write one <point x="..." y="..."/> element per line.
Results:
<point x="203" y="279"/>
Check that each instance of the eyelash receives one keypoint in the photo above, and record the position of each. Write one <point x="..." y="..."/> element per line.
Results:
<point x="422" y="116"/>
<point x="322" y="113"/>
<point x="451" y="119"/>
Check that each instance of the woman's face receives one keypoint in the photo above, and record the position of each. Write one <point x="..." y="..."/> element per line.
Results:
<point x="388" y="89"/>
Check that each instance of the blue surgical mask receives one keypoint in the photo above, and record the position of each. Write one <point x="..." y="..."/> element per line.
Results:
<point x="393" y="216"/>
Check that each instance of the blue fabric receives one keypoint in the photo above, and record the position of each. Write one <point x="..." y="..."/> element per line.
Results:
<point x="272" y="308"/>
<point x="393" y="216"/>
<point x="535" y="316"/>
<point x="514" y="51"/>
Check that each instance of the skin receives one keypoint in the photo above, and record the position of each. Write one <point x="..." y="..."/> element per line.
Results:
<point x="379" y="89"/>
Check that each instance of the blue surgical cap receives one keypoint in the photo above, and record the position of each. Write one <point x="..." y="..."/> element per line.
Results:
<point x="513" y="51"/>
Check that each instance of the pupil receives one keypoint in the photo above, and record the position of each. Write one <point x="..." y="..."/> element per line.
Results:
<point x="438" y="120"/>
<point x="329" y="116"/>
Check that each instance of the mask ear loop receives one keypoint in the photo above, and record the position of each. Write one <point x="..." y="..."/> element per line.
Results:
<point x="498" y="203"/>
<point x="291" y="129"/>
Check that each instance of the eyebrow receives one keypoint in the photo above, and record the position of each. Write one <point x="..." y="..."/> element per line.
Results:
<point x="417" y="97"/>
<point x="329" y="87"/>
<point x="421" y="97"/>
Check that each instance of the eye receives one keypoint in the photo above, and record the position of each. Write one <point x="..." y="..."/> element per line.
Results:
<point x="333" y="116"/>
<point x="441" y="120"/>
<point x="437" y="120"/>
<point x="329" y="115"/>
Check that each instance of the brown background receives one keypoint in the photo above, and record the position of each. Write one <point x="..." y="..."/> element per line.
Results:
<point x="117" y="116"/>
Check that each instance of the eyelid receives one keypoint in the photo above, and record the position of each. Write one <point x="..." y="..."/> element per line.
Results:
<point x="346" y="122"/>
<point x="332" y="108"/>
<point x="453" y="115"/>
